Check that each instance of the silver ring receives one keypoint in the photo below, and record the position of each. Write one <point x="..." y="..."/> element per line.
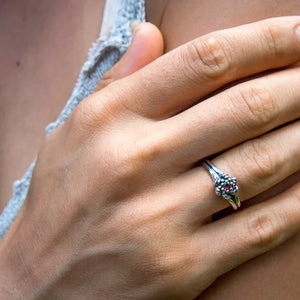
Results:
<point x="226" y="186"/>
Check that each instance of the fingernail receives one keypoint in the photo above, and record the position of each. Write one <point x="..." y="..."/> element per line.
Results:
<point x="298" y="33"/>
<point x="134" y="24"/>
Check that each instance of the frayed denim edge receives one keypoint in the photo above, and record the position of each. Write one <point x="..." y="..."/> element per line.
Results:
<point x="101" y="57"/>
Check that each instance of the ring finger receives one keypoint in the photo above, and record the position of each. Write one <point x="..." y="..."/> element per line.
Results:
<point x="258" y="165"/>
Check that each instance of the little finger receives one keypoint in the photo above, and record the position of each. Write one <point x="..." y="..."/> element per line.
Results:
<point x="237" y="238"/>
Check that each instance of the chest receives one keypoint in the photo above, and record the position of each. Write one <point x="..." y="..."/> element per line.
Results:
<point x="43" y="46"/>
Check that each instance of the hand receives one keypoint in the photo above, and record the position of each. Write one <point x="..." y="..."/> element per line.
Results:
<point x="118" y="208"/>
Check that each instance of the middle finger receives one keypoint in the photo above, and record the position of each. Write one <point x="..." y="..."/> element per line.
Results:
<point x="233" y="116"/>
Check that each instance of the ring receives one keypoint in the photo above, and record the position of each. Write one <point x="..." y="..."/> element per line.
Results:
<point x="226" y="186"/>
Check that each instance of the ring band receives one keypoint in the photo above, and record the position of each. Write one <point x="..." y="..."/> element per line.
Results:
<point x="226" y="186"/>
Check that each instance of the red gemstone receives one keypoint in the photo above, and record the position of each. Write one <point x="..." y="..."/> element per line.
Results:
<point x="227" y="187"/>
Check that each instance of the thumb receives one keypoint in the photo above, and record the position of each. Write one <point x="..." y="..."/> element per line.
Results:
<point x="146" y="45"/>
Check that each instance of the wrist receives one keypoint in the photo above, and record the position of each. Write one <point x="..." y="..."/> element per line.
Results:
<point x="15" y="276"/>
<point x="17" y="250"/>
<point x="34" y="253"/>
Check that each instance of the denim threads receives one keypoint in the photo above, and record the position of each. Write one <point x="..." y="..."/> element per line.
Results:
<point x="101" y="57"/>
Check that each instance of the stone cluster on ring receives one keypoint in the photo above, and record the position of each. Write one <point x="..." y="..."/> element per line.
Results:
<point x="226" y="186"/>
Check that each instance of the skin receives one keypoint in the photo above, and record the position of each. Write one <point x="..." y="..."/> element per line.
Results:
<point x="27" y="111"/>
<point x="234" y="281"/>
<point x="180" y="23"/>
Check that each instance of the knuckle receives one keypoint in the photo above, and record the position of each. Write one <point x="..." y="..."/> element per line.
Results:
<point x="163" y="265"/>
<point x="96" y="111"/>
<point x="147" y="151"/>
<point x="133" y="158"/>
<point x="84" y="117"/>
<point x="271" y="33"/>
<point x="263" y="229"/>
<point x="170" y="264"/>
<point x="125" y="170"/>
<point x="210" y="56"/>
<point x="256" y="103"/>
<point x="261" y="159"/>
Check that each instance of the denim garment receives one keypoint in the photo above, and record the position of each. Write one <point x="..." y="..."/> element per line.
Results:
<point x="113" y="41"/>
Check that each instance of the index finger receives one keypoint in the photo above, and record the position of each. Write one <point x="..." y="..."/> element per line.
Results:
<point x="181" y="77"/>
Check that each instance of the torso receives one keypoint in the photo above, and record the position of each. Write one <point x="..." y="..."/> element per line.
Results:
<point x="43" y="46"/>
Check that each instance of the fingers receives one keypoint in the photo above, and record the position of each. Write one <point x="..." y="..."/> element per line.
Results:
<point x="181" y="77"/>
<point x="257" y="164"/>
<point x="237" y="238"/>
<point x="235" y="115"/>
<point x="146" y="46"/>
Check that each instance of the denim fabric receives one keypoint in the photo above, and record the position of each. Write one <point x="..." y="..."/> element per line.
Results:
<point x="102" y="56"/>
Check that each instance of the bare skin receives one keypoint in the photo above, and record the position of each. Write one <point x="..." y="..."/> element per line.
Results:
<point x="40" y="62"/>
<point x="275" y="275"/>
<point x="266" y="281"/>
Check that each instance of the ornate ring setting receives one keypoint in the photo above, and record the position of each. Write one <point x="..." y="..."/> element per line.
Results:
<point x="226" y="186"/>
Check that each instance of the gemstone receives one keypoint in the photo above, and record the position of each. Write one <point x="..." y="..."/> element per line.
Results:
<point x="227" y="187"/>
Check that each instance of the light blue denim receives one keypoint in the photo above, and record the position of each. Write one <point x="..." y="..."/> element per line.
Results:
<point x="91" y="73"/>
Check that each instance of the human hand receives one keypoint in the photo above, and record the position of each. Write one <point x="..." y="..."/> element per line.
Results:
<point x="118" y="208"/>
